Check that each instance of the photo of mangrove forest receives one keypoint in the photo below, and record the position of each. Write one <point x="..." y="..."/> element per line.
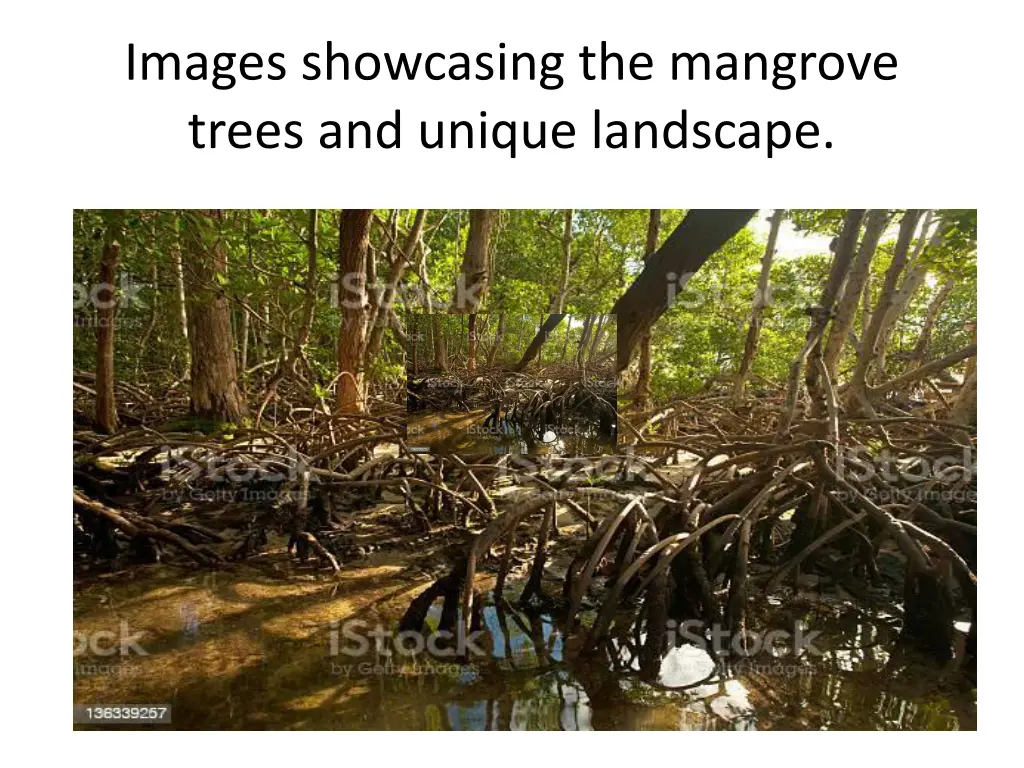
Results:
<point x="559" y="469"/>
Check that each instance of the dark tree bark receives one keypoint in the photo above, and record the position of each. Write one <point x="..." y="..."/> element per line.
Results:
<point x="471" y="344"/>
<point x="215" y="392"/>
<point x="691" y="244"/>
<point x="106" y="314"/>
<point x="538" y="341"/>
<point x="354" y="244"/>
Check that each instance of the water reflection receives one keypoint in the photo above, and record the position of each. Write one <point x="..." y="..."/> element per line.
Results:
<point x="239" y="652"/>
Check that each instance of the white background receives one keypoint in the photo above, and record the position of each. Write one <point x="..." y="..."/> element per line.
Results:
<point x="76" y="133"/>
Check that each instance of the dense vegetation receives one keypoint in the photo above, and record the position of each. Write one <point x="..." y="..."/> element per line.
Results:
<point x="796" y="400"/>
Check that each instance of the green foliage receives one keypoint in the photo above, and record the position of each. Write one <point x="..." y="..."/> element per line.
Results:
<point x="699" y="339"/>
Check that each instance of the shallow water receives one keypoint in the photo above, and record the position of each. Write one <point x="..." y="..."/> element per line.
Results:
<point x="238" y="650"/>
<point x="463" y="432"/>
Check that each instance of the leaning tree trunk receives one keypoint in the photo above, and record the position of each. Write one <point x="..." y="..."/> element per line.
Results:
<point x="386" y="308"/>
<point x="931" y="317"/>
<point x="665" y="273"/>
<point x="215" y="392"/>
<point x="913" y="279"/>
<point x="106" y="312"/>
<point x="354" y="242"/>
<point x="857" y="399"/>
<point x="643" y="378"/>
<point x="474" y="279"/>
<point x="761" y="300"/>
<point x="538" y="341"/>
<point x="874" y="225"/>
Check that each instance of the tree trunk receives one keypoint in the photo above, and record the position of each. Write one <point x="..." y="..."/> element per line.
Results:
<point x="857" y="396"/>
<point x="761" y="300"/>
<point x="931" y="317"/>
<point x="558" y="300"/>
<point x="474" y="279"/>
<point x="354" y="244"/>
<point x="700" y="235"/>
<point x="643" y="379"/>
<point x="916" y="272"/>
<point x="497" y="340"/>
<point x="309" y="308"/>
<point x="179" y="276"/>
<point x="598" y="336"/>
<point x="964" y="410"/>
<point x="215" y="392"/>
<point x="106" y="313"/>
<point x="471" y="343"/>
<point x="386" y="306"/>
<point x="935" y="366"/>
<point x="440" y="354"/>
<point x="874" y="224"/>
<point x="538" y="341"/>
<point x="565" y="342"/>
<point x="414" y="338"/>
<point x="581" y="347"/>
<point x="820" y="316"/>
<point x="244" y="357"/>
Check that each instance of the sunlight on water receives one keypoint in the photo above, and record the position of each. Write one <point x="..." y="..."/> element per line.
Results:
<point x="232" y="651"/>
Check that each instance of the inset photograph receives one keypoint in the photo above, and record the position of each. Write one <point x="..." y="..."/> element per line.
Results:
<point x="510" y="383"/>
